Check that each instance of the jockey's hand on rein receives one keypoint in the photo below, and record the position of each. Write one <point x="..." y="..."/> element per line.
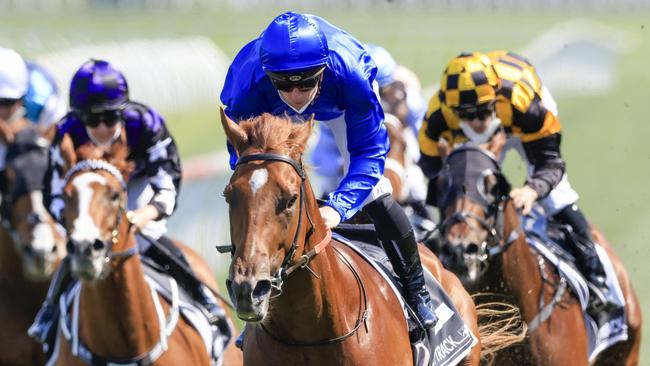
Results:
<point x="524" y="198"/>
<point x="330" y="216"/>
<point x="140" y="217"/>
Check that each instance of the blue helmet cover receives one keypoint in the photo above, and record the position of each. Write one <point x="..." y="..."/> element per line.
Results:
<point x="293" y="42"/>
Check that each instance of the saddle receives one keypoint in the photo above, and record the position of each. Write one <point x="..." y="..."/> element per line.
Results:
<point x="551" y="240"/>
<point x="445" y="344"/>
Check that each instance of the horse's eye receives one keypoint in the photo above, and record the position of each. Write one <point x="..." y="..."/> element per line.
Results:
<point x="286" y="203"/>
<point x="115" y="196"/>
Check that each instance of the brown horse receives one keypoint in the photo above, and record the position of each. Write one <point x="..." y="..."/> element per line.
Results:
<point x="308" y="299"/>
<point x="120" y="319"/>
<point x="483" y="243"/>
<point x="30" y="244"/>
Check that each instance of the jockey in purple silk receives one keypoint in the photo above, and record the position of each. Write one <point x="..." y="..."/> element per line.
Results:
<point x="302" y="65"/>
<point x="101" y="112"/>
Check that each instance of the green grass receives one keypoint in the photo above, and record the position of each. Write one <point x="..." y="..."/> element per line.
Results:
<point x="605" y="137"/>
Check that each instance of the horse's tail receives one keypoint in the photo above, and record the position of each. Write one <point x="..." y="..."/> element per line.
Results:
<point x="500" y="326"/>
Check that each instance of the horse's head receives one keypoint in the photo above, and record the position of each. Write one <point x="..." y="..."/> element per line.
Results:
<point x="33" y="230"/>
<point x="94" y="215"/>
<point x="470" y="192"/>
<point x="266" y="195"/>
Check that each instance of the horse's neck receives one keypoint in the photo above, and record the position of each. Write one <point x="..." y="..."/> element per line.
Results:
<point x="10" y="262"/>
<point x="517" y="266"/>
<point x="117" y="315"/>
<point x="314" y="308"/>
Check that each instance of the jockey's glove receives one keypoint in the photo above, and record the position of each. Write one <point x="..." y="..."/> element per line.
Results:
<point x="330" y="216"/>
<point x="524" y="198"/>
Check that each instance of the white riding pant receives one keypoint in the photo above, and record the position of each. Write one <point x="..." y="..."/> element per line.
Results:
<point x="139" y="194"/>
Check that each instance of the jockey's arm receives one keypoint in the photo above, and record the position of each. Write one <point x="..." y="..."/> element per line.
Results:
<point x="367" y="143"/>
<point x="53" y="179"/>
<point x="540" y="134"/>
<point x="544" y="155"/>
<point x="163" y="169"/>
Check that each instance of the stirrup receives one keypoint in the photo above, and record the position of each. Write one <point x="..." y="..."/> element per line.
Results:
<point x="421" y="306"/>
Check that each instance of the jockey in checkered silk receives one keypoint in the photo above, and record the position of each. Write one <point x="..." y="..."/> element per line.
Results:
<point x="301" y="64"/>
<point x="484" y="95"/>
<point x="405" y="86"/>
<point x="101" y="112"/>
<point x="26" y="90"/>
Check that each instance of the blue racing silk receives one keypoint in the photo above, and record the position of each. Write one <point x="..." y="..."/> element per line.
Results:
<point x="346" y="89"/>
<point x="43" y="102"/>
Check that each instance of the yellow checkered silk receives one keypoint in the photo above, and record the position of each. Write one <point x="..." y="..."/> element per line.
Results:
<point x="475" y="78"/>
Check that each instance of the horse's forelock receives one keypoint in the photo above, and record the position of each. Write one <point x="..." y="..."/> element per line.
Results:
<point x="274" y="133"/>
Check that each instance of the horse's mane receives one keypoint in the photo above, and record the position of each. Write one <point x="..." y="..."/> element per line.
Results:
<point x="275" y="133"/>
<point x="116" y="155"/>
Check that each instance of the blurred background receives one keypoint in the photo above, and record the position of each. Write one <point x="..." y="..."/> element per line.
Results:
<point x="593" y="55"/>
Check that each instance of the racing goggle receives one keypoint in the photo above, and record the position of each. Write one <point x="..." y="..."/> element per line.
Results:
<point x="481" y="111"/>
<point x="304" y="81"/>
<point x="108" y="117"/>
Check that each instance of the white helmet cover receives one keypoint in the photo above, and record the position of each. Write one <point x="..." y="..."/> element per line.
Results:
<point x="14" y="76"/>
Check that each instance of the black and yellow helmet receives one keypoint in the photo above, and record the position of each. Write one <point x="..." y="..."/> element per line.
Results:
<point x="469" y="82"/>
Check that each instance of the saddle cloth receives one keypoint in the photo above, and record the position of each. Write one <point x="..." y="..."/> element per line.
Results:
<point x="604" y="331"/>
<point x="215" y="337"/>
<point x="450" y="340"/>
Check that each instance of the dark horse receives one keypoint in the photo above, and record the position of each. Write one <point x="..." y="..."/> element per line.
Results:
<point x="119" y="317"/>
<point x="483" y="243"/>
<point x="308" y="299"/>
<point x="31" y="247"/>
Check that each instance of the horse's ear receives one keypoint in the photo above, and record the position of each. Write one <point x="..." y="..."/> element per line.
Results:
<point x="235" y="134"/>
<point x="302" y="134"/>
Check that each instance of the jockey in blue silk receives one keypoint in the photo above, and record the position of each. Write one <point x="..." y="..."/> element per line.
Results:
<point x="101" y="113"/>
<point x="403" y="84"/>
<point x="301" y="64"/>
<point x="26" y="90"/>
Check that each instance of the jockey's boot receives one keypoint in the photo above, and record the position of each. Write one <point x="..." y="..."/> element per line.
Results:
<point x="166" y="254"/>
<point x="44" y="326"/>
<point x="587" y="260"/>
<point x="398" y="239"/>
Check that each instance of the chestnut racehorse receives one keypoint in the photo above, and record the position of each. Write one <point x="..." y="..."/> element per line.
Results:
<point x="31" y="247"/>
<point x="483" y="243"/>
<point x="119" y="317"/>
<point x="308" y="299"/>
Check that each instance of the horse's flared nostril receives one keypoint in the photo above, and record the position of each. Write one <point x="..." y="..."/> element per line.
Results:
<point x="98" y="245"/>
<point x="262" y="288"/>
<point x="471" y="249"/>
<point x="69" y="246"/>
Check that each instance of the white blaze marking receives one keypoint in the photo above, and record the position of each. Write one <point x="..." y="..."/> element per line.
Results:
<point x="258" y="179"/>
<point x="84" y="227"/>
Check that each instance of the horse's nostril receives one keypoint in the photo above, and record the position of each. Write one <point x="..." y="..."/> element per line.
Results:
<point x="28" y="250"/>
<point x="262" y="288"/>
<point x="98" y="244"/>
<point x="471" y="249"/>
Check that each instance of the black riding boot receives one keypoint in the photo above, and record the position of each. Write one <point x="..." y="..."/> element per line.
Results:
<point x="398" y="240"/>
<point x="44" y="326"/>
<point x="587" y="260"/>
<point x="172" y="259"/>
